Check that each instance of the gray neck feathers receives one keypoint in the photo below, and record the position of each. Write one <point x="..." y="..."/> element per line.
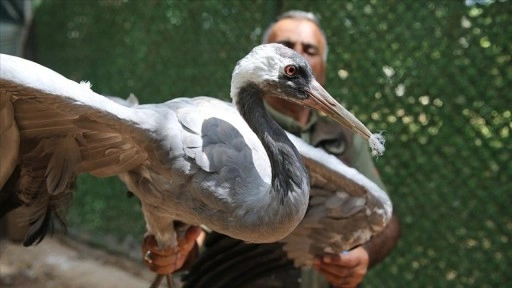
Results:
<point x="288" y="172"/>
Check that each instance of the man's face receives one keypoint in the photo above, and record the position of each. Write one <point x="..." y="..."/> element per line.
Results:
<point x="304" y="37"/>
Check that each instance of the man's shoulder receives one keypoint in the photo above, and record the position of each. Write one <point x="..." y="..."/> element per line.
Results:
<point x="334" y="139"/>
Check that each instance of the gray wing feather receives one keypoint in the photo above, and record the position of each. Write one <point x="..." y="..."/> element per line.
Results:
<point x="345" y="209"/>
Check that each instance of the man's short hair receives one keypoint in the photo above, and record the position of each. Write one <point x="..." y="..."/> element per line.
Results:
<point x="297" y="14"/>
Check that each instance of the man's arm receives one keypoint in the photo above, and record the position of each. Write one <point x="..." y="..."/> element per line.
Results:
<point x="383" y="243"/>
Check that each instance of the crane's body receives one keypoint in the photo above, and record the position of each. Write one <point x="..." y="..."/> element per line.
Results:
<point x="196" y="161"/>
<point x="345" y="210"/>
<point x="186" y="153"/>
<point x="214" y="153"/>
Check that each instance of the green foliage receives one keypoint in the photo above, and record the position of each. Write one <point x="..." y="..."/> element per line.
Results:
<point x="436" y="76"/>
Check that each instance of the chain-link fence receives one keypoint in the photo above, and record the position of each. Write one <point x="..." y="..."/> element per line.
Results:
<point x="436" y="76"/>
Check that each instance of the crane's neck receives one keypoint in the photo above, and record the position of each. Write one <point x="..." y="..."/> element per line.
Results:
<point x="288" y="172"/>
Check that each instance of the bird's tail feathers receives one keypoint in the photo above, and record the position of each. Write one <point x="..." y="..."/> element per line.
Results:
<point x="40" y="215"/>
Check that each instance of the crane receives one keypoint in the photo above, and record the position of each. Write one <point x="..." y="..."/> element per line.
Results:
<point x="188" y="160"/>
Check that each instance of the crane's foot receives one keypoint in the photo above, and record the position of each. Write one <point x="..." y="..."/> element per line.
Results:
<point x="168" y="260"/>
<point x="161" y="261"/>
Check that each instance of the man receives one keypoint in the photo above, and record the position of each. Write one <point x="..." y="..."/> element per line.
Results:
<point x="300" y="31"/>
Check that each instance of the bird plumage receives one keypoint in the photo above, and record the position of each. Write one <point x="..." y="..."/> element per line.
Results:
<point x="345" y="210"/>
<point x="194" y="160"/>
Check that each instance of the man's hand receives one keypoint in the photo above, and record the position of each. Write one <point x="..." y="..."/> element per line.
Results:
<point x="346" y="270"/>
<point x="171" y="259"/>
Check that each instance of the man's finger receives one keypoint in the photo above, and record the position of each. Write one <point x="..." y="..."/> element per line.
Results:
<point x="163" y="260"/>
<point x="192" y="233"/>
<point x="332" y="269"/>
<point x="335" y="278"/>
<point x="163" y="270"/>
<point x="345" y="259"/>
<point x="187" y="243"/>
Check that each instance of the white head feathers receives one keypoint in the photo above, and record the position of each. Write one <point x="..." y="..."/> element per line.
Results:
<point x="259" y="65"/>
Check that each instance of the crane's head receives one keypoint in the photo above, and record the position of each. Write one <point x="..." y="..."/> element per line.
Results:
<point x="281" y="72"/>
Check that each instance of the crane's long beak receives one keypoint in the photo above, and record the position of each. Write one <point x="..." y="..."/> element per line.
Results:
<point x="321" y="100"/>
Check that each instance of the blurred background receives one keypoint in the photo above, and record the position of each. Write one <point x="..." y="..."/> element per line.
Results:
<point x="435" y="76"/>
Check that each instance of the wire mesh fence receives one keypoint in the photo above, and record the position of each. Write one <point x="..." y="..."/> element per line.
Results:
<point x="436" y="76"/>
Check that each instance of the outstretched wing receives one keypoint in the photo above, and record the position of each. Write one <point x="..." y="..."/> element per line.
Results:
<point x="52" y="129"/>
<point x="345" y="208"/>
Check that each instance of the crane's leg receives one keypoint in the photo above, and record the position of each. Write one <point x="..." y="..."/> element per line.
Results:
<point x="161" y="261"/>
<point x="158" y="280"/>
<point x="166" y="246"/>
<point x="166" y="261"/>
<point x="160" y="246"/>
<point x="170" y="281"/>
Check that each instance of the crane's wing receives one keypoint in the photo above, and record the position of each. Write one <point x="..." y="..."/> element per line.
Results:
<point x="345" y="208"/>
<point x="51" y="130"/>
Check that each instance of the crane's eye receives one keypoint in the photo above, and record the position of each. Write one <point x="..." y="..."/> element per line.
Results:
<point x="291" y="70"/>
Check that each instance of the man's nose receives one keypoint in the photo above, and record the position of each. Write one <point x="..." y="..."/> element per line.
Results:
<point x="299" y="49"/>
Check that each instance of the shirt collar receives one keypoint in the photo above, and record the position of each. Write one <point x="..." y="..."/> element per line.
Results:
<point x="291" y="125"/>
